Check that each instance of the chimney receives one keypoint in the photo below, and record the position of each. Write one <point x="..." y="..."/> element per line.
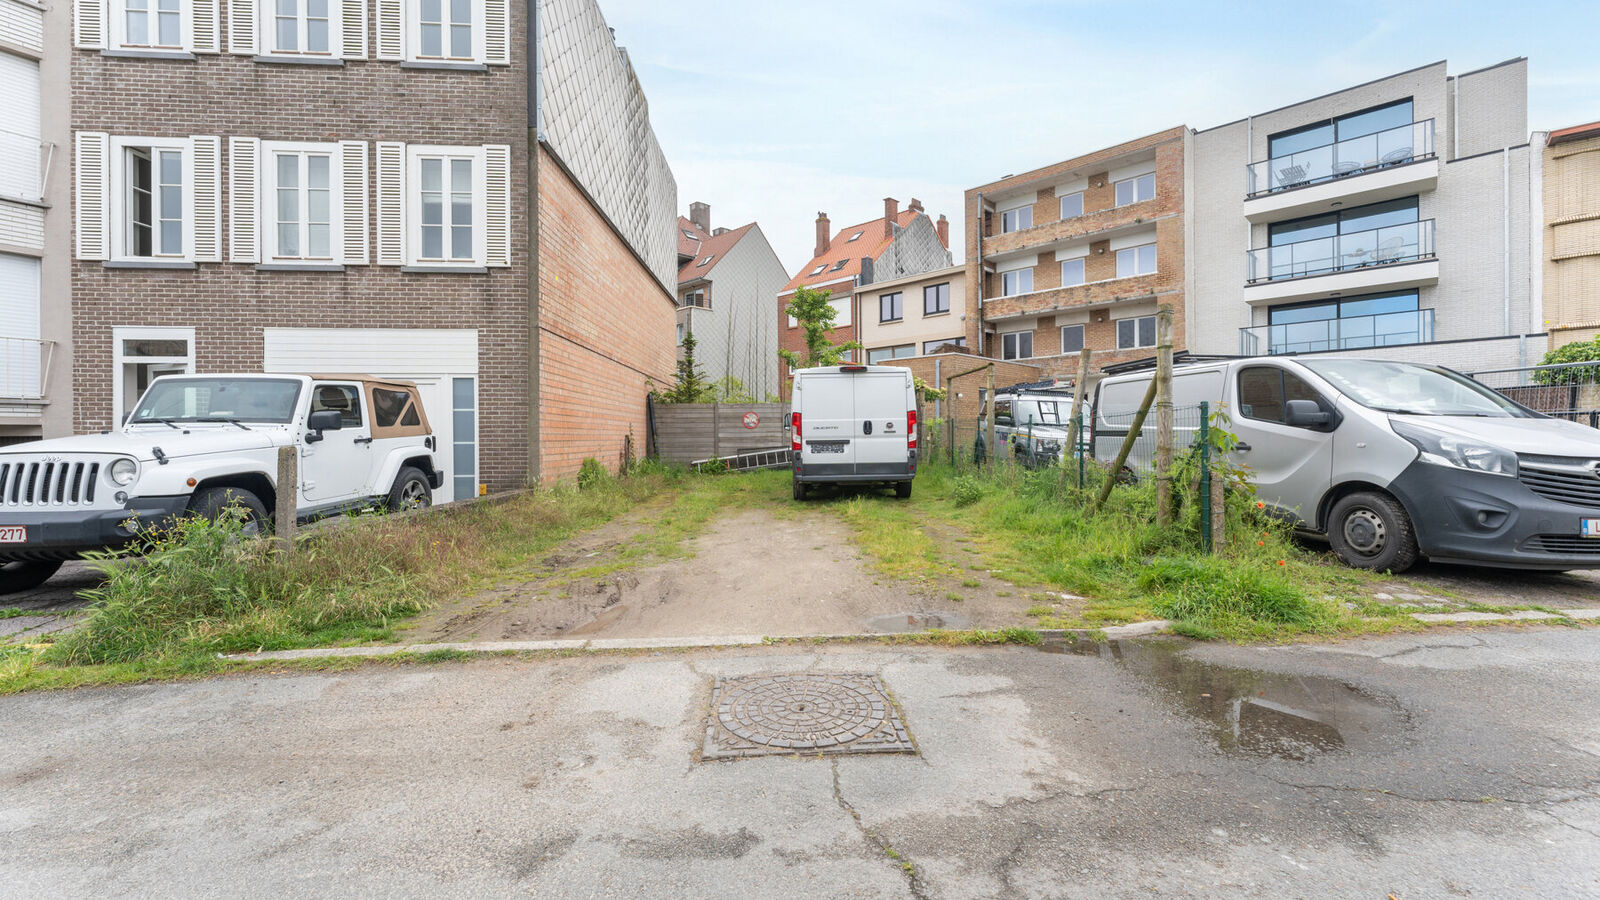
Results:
<point x="943" y="228"/>
<point x="717" y="231"/>
<point x="823" y="233"/>
<point x="891" y="208"/>
<point x="700" y="215"/>
<point x="915" y="204"/>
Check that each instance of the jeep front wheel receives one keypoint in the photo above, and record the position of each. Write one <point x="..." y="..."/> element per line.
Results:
<point x="410" y="491"/>
<point x="22" y="574"/>
<point x="214" y="503"/>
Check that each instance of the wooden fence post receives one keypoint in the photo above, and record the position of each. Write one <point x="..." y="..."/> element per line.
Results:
<point x="989" y="435"/>
<point x="288" y="492"/>
<point x="1127" y="447"/>
<point x="1164" y="416"/>
<point x="1219" y="498"/>
<point x="1078" y="388"/>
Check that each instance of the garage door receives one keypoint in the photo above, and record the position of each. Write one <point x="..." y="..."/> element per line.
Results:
<point x="442" y="361"/>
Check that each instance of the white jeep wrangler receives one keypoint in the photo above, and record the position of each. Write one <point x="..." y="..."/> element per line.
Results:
<point x="198" y="444"/>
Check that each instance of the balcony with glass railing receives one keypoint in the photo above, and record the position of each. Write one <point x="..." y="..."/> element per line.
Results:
<point x="1406" y="242"/>
<point x="1342" y="159"/>
<point x="1350" y="333"/>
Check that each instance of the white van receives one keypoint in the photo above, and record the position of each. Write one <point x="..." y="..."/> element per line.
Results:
<point x="853" y="424"/>
<point x="1393" y="461"/>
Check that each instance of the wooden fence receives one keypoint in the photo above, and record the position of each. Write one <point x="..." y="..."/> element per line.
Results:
<point x="686" y="432"/>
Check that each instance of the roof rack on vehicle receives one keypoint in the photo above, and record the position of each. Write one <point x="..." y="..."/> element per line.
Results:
<point x="1180" y="358"/>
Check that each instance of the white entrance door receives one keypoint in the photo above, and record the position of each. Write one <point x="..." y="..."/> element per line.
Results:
<point x="437" y="360"/>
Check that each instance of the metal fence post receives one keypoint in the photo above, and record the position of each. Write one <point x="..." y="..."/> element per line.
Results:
<point x="1205" y="475"/>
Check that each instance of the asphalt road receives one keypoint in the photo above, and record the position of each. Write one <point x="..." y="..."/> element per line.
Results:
<point x="1449" y="764"/>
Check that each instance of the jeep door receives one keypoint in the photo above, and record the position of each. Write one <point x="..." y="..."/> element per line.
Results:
<point x="337" y="468"/>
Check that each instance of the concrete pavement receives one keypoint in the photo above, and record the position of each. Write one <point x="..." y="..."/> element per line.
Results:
<point x="1435" y="765"/>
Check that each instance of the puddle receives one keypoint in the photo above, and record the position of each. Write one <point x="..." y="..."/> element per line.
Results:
<point x="898" y="623"/>
<point x="1249" y="712"/>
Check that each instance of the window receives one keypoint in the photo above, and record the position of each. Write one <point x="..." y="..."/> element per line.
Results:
<point x="955" y="343"/>
<point x="1135" y="333"/>
<point x="704" y="262"/>
<point x="885" y="353"/>
<point x="446" y="206"/>
<point x="342" y="397"/>
<point x="840" y="264"/>
<point x="151" y="24"/>
<point x="1136" y="189"/>
<point x="936" y="299"/>
<point x="1370" y="320"/>
<point x="140" y="355"/>
<point x="1016" y="345"/>
<point x="889" y="307"/>
<point x="1016" y="281"/>
<point x="303" y="196"/>
<point x="1071" y="338"/>
<point x="445" y="31"/>
<point x="818" y="269"/>
<point x="300" y="26"/>
<point x="1072" y="205"/>
<point x="464" y="437"/>
<point x="1072" y="272"/>
<point x="1263" y="391"/>
<point x="841" y="310"/>
<point x="1343" y="128"/>
<point x="153" y="206"/>
<point x="1140" y="260"/>
<point x="855" y="237"/>
<point x="680" y="334"/>
<point x="689" y="234"/>
<point x="1016" y="219"/>
<point x="695" y="298"/>
<point x="20" y="346"/>
<point x="1002" y="411"/>
<point x="21" y="136"/>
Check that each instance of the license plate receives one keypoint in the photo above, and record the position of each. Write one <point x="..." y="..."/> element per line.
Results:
<point x="13" y="534"/>
<point x="826" y="446"/>
<point x="1589" y="528"/>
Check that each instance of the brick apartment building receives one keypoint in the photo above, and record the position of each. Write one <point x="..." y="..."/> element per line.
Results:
<point x="900" y="243"/>
<point x="352" y="187"/>
<point x="726" y="280"/>
<point x="1571" y="234"/>
<point x="1079" y="254"/>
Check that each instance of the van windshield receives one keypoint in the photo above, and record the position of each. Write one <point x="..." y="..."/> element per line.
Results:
<point x="1411" y="389"/>
<point x="218" y="399"/>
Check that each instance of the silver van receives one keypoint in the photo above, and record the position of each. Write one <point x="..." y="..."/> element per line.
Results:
<point x="1393" y="461"/>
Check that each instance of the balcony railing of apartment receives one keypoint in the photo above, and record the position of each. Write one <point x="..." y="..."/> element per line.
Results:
<point x="1342" y="159"/>
<point x="24" y="368"/>
<point x="1349" y="333"/>
<point x="698" y="301"/>
<point x="1405" y="242"/>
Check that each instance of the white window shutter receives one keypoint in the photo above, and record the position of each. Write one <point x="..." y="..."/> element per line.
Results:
<point x="244" y="189"/>
<point x="497" y="32"/>
<point x="89" y="24"/>
<point x="391" y="31"/>
<point x="92" y="170"/>
<point x="205" y="164"/>
<point x="353" y="25"/>
<point x="353" y="161"/>
<point x="207" y="26"/>
<point x="497" y="204"/>
<point x="242" y="27"/>
<point x="391" y="203"/>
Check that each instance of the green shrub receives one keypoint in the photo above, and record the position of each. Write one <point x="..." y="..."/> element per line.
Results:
<point x="591" y="474"/>
<point x="1211" y="590"/>
<point x="966" y="490"/>
<point x="1578" y="351"/>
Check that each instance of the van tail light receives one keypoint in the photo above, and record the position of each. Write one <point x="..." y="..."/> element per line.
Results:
<point x="911" y="429"/>
<point x="794" y="422"/>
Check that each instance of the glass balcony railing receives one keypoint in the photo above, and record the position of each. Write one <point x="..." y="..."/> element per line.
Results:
<point x="1341" y="159"/>
<point x="1341" y="252"/>
<point x="1350" y="333"/>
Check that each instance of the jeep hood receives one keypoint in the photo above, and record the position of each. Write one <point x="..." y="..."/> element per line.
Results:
<point x="141" y="443"/>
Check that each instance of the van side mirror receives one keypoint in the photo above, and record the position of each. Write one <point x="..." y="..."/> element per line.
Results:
<point x="1305" y="414"/>
<point x="323" y="420"/>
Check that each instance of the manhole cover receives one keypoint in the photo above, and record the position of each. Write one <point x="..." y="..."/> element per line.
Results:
<point x="764" y="715"/>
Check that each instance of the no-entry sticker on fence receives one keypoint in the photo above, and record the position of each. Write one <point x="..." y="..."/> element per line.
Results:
<point x="751" y="420"/>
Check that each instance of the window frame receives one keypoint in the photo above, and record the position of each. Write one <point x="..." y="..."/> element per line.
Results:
<point x="1018" y="212"/>
<point x="120" y="187"/>
<point x="1015" y="338"/>
<point x="1061" y="208"/>
<point x="1083" y="271"/>
<point x="937" y="294"/>
<point x="267" y="12"/>
<point x="413" y="34"/>
<point x="1134" y="250"/>
<point x="895" y="300"/>
<point x="268" y="212"/>
<point x="930" y="346"/>
<point x="1135" y="180"/>
<point x="1137" y="322"/>
<point x="1082" y="335"/>
<point x="1015" y="273"/>
<point x="118" y="12"/>
<point x="120" y="360"/>
<point x="415" y="154"/>
<point x="874" y="355"/>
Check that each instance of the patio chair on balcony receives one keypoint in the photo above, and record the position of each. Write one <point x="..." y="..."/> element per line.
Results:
<point x="1390" y="250"/>
<point x="1346" y="167"/>
<point x="1397" y="155"/>
<point x="1356" y="258"/>
<point x="1290" y="176"/>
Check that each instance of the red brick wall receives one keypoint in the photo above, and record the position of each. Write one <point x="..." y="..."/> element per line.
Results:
<point x="607" y="332"/>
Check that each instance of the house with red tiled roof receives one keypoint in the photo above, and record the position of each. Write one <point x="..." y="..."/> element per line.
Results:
<point x="726" y="279"/>
<point x="898" y="244"/>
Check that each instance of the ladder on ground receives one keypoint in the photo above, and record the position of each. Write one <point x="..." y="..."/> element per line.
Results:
<point x="756" y="459"/>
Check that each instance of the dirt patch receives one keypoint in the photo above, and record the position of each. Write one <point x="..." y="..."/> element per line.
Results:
<point x="750" y="573"/>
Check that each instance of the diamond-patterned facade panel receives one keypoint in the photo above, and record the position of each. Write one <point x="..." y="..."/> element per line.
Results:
<point x="805" y="714"/>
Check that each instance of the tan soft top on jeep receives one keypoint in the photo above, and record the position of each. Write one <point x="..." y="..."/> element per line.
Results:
<point x="391" y="416"/>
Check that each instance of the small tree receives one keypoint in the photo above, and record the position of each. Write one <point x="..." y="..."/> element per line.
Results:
<point x="692" y="386"/>
<point x="1578" y="351"/>
<point x="815" y="314"/>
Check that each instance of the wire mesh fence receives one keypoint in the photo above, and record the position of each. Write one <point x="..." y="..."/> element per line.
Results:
<point x="1565" y="390"/>
<point x="1111" y="430"/>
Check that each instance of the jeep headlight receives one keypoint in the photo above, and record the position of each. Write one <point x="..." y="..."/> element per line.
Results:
<point x="1445" y="449"/>
<point x="123" y="472"/>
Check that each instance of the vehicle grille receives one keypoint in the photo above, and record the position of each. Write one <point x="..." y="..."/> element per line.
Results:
<point x="1574" y="481"/>
<point x="25" y="483"/>
<point x="1568" y="544"/>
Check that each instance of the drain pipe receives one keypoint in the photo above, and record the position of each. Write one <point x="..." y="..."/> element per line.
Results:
<point x="983" y="348"/>
<point x="1505" y="239"/>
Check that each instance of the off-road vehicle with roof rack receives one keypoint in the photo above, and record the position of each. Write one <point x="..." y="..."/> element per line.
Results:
<point x="201" y="445"/>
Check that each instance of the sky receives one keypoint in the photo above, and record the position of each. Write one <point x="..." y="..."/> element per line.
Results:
<point x="772" y="112"/>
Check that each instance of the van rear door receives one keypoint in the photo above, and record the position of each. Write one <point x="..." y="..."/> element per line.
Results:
<point x="828" y="422"/>
<point x="880" y="438"/>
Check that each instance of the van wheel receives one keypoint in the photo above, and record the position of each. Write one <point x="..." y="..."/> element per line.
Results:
<point x="410" y="491"/>
<point x="800" y="490"/>
<point x="902" y="489"/>
<point x="1372" y="531"/>
<point x="215" y="502"/>
<point x="22" y="574"/>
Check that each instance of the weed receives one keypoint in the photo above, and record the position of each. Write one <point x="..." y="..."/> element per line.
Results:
<point x="954" y="597"/>
<point x="970" y="582"/>
<point x="445" y="654"/>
